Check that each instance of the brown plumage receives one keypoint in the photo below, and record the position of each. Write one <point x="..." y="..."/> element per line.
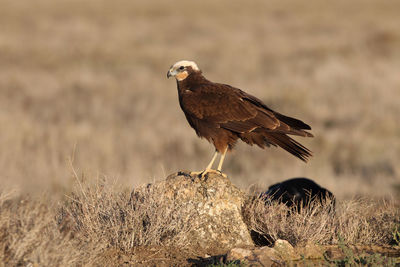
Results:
<point x="222" y="114"/>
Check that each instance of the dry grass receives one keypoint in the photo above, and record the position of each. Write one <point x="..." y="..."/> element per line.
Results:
<point x="84" y="81"/>
<point x="361" y="222"/>
<point x="94" y="225"/>
<point x="122" y="220"/>
<point x="100" y="224"/>
<point x="29" y="234"/>
<point x="87" y="79"/>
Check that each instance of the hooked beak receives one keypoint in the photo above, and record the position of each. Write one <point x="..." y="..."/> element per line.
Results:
<point x="171" y="72"/>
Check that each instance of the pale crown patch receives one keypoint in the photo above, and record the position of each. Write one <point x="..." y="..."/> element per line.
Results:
<point x="186" y="63"/>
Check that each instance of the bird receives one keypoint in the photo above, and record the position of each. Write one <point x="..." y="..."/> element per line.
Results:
<point x="223" y="114"/>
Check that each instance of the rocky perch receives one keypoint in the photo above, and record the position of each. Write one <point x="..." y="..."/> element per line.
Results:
<point x="200" y="220"/>
<point x="209" y="206"/>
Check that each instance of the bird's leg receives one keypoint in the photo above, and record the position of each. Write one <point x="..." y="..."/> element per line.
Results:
<point x="221" y="161"/>
<point x="212" y="161"/>
<point x="209" y="166"/>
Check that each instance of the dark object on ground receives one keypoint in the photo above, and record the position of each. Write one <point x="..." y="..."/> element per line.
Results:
<point x="297" y="193"/>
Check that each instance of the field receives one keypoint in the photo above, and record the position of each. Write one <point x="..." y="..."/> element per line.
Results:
<point x="83" y="93"/>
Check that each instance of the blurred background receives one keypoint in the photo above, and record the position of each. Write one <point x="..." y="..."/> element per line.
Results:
<point x="83" y="84"/>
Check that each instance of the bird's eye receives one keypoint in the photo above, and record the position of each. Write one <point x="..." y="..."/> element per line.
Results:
<point x="181" y="67"/>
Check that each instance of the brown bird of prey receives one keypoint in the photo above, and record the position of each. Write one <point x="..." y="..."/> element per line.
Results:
<point x="222" y="114"/>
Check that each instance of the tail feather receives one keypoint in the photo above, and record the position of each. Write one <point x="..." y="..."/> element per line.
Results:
<point x="292" y="122"/>
<point x="289" y="144"/>
<point x="293" y="131"/>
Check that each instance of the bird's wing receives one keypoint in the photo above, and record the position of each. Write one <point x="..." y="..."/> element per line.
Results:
<point x="292" y="122"/>
<point x="228" y="107"/>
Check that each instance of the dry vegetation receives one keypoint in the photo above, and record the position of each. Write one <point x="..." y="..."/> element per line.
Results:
<point x="87" y="79"/>
<point x="352" y="222"/>
<point x="84" y="82"/>
<point x="101" y="224"/>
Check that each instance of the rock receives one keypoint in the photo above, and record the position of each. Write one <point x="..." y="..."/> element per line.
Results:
<point x="264" y="256"/>
<point x="283" y="254"/>
<point x="239" y="253"/>
<point x="210" y="207"/>
<point x="283" y="245"/>
<point x="312" y="251"/>
<point x="250" y="256"/>
<point x="267" y="254"/>
<point x="284" y="249"/>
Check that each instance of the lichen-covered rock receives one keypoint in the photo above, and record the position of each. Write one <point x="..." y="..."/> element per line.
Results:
<point x="264" y="256"/>
<point x="209" y="206"/>
<point x="256" y="256"/>
<point x="284" y="249"/>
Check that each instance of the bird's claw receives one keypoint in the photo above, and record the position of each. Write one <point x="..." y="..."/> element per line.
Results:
<point x="223" y="174"/>
<point x="196" y="173"/>
<point x="204" y="173"/>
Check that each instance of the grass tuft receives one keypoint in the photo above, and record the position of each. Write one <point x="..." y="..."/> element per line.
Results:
<point x="98" y="222"/>
<point x="356" y="222"/>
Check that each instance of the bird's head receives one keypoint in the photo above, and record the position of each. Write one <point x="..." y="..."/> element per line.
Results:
<point x="182" y="69"/>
